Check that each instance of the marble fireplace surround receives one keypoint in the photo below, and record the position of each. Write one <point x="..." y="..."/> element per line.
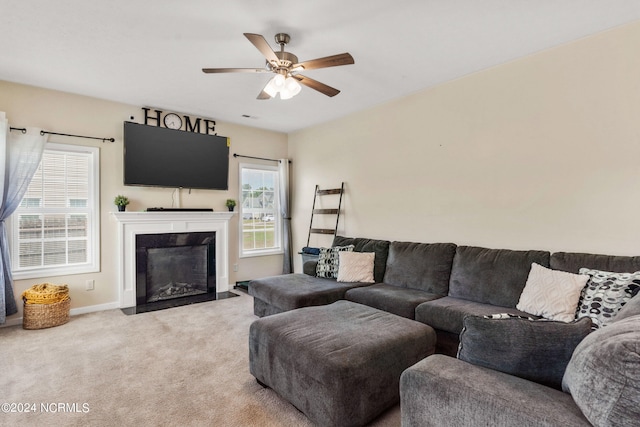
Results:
<point x="131" y="224"/>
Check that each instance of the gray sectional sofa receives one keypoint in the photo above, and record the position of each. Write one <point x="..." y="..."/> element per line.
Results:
<point x="451" y="288"/>
<point x="434" y="283"/>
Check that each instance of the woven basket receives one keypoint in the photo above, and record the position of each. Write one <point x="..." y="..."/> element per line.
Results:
<point x="40" y="316"/>
<point x="45" y="306"/>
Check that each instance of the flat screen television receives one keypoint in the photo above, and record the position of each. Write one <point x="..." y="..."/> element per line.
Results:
<point x="161" y="157"/>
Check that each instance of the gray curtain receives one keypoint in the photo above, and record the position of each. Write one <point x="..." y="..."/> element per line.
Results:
<point x="20" y="155"/>
<point x="285" y="202"/>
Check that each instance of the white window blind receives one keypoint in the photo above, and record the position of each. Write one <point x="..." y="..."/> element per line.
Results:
<point x="261" y="225"/>
<point x="55" y="228"/>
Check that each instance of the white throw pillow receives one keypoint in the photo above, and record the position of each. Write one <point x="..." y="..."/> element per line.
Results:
<point x="552" y="294"/>
<point x="356" y="267"/>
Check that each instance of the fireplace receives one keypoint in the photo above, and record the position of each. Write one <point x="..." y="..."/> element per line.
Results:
<point x="177" y="223"/>
<point x="175" y="266"/>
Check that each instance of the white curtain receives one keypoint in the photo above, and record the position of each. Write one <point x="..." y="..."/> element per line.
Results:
<point x="285" y="202"/>
<point x="20" y="155"/>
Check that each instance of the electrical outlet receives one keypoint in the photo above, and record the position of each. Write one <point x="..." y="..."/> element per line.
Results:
<point x="235" y="267"/>
<point x="90" y="285"/>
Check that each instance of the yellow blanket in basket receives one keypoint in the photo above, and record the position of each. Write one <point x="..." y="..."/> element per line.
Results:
<point x="46" y="293"/>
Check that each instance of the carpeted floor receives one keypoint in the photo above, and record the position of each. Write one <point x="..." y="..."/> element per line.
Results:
<point x="185" y="366"/>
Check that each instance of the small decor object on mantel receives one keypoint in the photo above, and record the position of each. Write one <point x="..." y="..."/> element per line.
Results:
<point x="121" y="202"/>
<point x="231" y="203"/>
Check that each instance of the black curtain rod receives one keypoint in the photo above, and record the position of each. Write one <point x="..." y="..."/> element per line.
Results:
<point x="257" y="158"/>
<point x="42" y="132"/>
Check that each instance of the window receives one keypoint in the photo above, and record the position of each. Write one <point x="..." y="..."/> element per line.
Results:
<point x="260" y="229"/>
<point x="55" y="229"/>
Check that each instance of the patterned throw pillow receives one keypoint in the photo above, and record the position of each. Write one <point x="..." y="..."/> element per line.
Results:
<point x="328" y="261"/>
<point x="605" y="294"/>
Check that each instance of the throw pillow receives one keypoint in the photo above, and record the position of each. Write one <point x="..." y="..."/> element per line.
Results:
<point x="535" y="349"/>
<point x="328" y="261"/>
<point x="356" y="267"/>
<point x="603" y="375"/>
<point x="552" y="294"/>
<point x="605" y="294"/>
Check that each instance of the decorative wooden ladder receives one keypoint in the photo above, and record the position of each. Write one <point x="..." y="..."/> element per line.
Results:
<point x="315" y="211"/>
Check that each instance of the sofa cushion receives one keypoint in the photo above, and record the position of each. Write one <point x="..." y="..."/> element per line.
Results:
<point x="392" y="299"/>
<point x="605" y="294"/>
<point x="329" y="262"/>
<point x="552" y="294"/>
<point x="420" y="266"/>
<point x="536" y="350"/>
<point x="492" y="276"/>
<point x="356" y="267"/>
<point x="573" y="262"/>
<point x="603" y="375"/>
<point x="631" y="308"/>
<point x="291" y="291"/>
<point x="447" y="313"/>
<point x="380" y="247"/>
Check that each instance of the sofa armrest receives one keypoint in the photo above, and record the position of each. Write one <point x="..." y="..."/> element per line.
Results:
<point x="309" y="268"/>
<point x="441" y="390"/>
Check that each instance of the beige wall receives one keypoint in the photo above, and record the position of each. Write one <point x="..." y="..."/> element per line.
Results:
<point x="68" y="113"/>
<point x="539" y="153"/>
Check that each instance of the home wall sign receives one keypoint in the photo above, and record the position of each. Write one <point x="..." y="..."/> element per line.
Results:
<point x="179" y="122"/>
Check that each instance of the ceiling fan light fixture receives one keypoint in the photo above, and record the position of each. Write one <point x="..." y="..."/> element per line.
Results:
<point x="278" y="81"/>
<point x="270" y="90"/>
<point x="274" y="85"/>
<point x="291" y="88"/>
<point x="285" y="94"/>
<point x="286" y="87"/>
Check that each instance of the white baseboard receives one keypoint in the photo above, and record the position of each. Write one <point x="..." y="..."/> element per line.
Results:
<point x="94" y="308"/>
<point x="73" y="312"/>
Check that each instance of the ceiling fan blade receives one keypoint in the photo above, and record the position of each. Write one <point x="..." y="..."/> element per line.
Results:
<point x="235" y="70"/>
<point x="258" y="41"/>
<point x="264" y="95"/>
<point x="327" y="61"/>
<point x="314" y="84"/>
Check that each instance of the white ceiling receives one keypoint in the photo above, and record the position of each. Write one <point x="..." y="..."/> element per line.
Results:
<point x="151" y="52"/>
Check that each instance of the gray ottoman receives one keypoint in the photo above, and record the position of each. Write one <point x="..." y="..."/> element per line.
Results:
<point x="339" y="364"/>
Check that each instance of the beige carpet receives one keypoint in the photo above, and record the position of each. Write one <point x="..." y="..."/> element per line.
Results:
<point x="185" y="366"/>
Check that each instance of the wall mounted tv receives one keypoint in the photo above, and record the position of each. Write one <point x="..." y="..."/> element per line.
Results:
<point x="161" y="157"/>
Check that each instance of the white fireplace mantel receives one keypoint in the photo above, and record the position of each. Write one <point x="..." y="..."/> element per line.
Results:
<point x="131" y="224"/>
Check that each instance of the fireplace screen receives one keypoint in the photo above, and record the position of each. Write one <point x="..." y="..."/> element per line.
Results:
<point x="176" y="272"/>
<point x="174" y="265"/>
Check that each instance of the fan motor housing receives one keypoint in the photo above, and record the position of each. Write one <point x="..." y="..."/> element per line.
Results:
<point x="282" y="38"/>
<point x="286" y="58"/>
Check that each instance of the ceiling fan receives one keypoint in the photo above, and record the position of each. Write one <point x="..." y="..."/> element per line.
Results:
<point x="286" y="67"/>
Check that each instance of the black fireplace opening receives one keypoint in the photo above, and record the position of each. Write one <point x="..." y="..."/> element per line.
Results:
<point x="175" y="269"/>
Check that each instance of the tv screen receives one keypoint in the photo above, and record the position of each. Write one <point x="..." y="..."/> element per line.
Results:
<point x="164" y="157"/>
